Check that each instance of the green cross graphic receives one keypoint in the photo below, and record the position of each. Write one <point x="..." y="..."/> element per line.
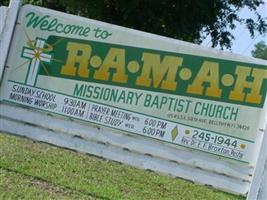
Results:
<point x="36" y="55"/>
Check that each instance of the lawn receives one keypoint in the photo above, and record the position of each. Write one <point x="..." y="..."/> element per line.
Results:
<point x="33" y="170"/>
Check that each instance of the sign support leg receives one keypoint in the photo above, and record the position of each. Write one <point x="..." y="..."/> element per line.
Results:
<point x="7" y="33"/>
<point x="258" y="189"/>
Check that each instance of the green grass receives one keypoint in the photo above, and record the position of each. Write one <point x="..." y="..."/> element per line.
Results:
<point x="33" y="170"/>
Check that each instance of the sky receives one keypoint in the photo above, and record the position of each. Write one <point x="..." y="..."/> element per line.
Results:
<point x="243" y="43"/>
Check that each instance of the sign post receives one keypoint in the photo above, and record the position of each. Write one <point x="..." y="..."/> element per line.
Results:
<point x="3" y="11"/>
<point x="258" y="189"/>
<point x="7" y="32"/>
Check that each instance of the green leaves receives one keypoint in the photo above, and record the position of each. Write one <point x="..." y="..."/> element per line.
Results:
<point x="260" y="50"/>
<point x="187" y="20"/>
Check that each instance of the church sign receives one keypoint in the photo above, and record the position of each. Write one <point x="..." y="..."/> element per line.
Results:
<point x="86" y="71"/>
<point x="159" y="91"/>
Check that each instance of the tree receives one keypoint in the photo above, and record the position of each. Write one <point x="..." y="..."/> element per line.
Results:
<point x="4" y="2"/>
<point x="260" y="50"/>
<point x="189" y="20"/>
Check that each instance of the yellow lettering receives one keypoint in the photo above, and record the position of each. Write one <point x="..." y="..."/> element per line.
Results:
<point x="158" y="70"/>
<point x="78" y="54"/>
<point x="208" y="73"/>
<point x="115" y="59"/>
<point x="255" y="86"/>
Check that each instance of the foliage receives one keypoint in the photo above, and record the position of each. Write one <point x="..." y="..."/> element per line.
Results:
<point x="4" y="2"/>
<point x="188" y="20"/>
<point x="260" y="50"/>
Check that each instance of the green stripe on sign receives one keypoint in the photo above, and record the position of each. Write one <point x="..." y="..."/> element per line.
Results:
<point x="160" y="71"/>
